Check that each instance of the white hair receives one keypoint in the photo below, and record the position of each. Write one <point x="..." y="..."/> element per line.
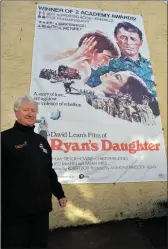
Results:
<point x="26" y="98"/>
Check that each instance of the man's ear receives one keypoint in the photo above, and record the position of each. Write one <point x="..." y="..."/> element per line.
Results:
<point x="15" y="112"/>
<point x="141" y="42"/>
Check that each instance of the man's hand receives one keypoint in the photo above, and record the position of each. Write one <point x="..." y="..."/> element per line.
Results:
<point x="85" y="51"/>
<point x="63" y="202"/>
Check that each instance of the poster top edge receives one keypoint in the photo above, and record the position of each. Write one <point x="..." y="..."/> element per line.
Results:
<point x="98" y="10"/>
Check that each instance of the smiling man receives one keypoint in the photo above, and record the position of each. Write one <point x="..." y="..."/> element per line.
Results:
<point x="129" y="39"/>
<point x="28" y="181"/>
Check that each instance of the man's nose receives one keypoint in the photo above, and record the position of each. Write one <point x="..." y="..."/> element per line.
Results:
<point x="129" y="41"/>
<point x="30" y="113"/>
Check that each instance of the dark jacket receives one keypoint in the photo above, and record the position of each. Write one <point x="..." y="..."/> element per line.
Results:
<point x="28" y="180"/>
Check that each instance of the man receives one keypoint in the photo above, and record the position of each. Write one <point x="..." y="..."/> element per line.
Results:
<point x="28" y="181"/>
<point x="67" y="86"/>
<point x="129" y="39"/>
<point x="111" y="107"/>
<point x="94" y="50"/>
<point x="146" y="113"/>
<point x="98" y="48"/>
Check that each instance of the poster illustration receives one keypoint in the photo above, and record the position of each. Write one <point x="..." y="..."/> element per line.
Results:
<point x="98" y="107"/>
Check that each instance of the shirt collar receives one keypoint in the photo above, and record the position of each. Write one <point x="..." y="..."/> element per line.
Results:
<point x="125" y="57"/>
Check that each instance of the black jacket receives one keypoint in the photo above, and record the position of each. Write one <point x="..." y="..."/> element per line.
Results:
<point x="28" y="180"/>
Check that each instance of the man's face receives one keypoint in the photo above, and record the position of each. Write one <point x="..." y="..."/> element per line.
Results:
<point x="129" y="42"/>
<point x="26" y="114"/>
<point x="101" y="59"/>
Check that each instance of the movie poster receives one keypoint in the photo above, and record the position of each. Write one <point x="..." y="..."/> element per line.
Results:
<point x="98" y="108"/>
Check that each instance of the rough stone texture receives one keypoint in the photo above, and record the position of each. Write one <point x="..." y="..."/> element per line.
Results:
<point x="88" y="203"/>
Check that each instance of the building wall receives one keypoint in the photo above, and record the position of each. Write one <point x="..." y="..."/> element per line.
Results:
<point x="88" y="203"/>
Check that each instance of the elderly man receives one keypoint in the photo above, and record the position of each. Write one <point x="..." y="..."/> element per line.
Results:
<point x="28" y="181"/>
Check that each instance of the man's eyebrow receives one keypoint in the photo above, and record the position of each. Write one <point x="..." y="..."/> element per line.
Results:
<point x="107" y="55"/>
<point x="133" y="37"/>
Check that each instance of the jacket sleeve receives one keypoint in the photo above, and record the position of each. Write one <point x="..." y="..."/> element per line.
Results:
<point x="57" y="189"/>
<point x="3" y="168"/>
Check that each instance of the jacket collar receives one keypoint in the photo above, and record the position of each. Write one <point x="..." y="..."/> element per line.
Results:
<point x="126" y="57"/>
